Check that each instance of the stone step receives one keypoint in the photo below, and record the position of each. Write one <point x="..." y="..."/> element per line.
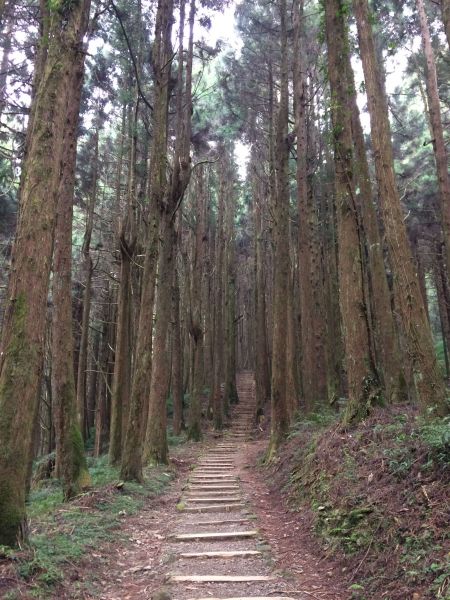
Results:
<point x="216" y="467"/>
<point x="215" y="499"/>
<point x="215" y="535"/>
<point x="215" y="463"/>
<point x="220" y="554"/>
<point x="204" y="488"/>
<point x="247" y="598"/>
<point x="213" y="473"/>
<point x="214" y="508"/>
<point x="222" y="522"/>
<point x="213" y="479"/>
<point x="221" y="578"/>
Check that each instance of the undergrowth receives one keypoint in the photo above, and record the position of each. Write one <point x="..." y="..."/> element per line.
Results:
<point x="378" y="496"/>
<point x="61" y="534"/>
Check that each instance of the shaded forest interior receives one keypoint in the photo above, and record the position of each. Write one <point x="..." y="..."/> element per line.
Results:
<point x="176" y="208"/>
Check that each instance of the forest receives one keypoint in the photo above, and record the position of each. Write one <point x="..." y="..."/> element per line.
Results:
<point x="226" y="221"/>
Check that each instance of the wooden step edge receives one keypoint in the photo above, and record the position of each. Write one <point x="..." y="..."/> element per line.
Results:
<point x="220" y="554"/>
<point x="214" y="508"/>
<point x="220" y="578"/>
<point x="214" y="535"/>
<point x="247" y="598"/>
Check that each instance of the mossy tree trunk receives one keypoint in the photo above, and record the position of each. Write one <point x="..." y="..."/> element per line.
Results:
<point x="434" y="110"/>
<point x="313" y="355"/>
<point x="427" y="381"/>
<point x="281" y="265"/>
<point x="196" y="330"/>
<point x="218" y="343"/>
<point x="131" y="466"/>
<point x="230" y="392"/>
<point x="262" y="371"/>
<point x="87" y="273"/>
<point x="168" y="204"/>
<point x="384" y="334"/>
<point x="71" y="461"/>
<point x="123" y="351"/>
<point x="177" y="357"/>
<point x="24" y="326"/>
<point x="362" y="381"/>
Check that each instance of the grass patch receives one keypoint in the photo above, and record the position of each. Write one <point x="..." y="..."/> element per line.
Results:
<point x="63" y="533"/>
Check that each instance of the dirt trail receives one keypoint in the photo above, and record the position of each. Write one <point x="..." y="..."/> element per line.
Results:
<point x="216" y="549"/>
<point x="218" y="534"/>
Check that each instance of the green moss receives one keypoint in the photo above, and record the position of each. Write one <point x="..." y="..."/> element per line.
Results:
<point x="65" y="532"/>
<point x="195" y="432"/>
<point x="12" y="513"/>
<point x="18" y="364"/>
<point x="81" y="473"/>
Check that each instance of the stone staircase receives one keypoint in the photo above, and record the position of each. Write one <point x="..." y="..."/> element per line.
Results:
<point x="215" y="551"/>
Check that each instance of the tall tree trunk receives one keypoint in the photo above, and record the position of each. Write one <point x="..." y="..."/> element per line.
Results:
<point x="441" y="283"/>
<point x="314" y="367"/>
<point x="262" y="373"/>
<point x="177" y="357"/>
<point x="122" y="363"/>
<point x="87" y="282"/>
<point x="24" y="325"/>
<point x="131" y="467"/>
<point x="168" y="204"/>
<point x="217" y="400"/>
<point x="70" y="457"/>
<point x="440" y="150"/>
<point x="383" y="329"/>
<point x="279" y="409"/>
<point x="230" y="391"/>
<point x="195" y="318"/>
<point x="362" y="382"/>
<point x="428" y="384"/>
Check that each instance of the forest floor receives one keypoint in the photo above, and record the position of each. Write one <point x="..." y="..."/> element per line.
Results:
<point x="339" y="515"/>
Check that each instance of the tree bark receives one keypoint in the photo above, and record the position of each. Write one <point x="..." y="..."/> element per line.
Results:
<point x="362" y="382"/>
<point x="24" y="325"/>
<point x="87" y="281"/>
<point x="131" y="467"/>
<point x="177" y="357"/>
<point x="217" y="400"/>
<point x="434" y="109"/>
<point x="279" y="409"/>
<point x="428" y="385"/>
<point x="383" y="330"/>
<point x="72" y="467"/>
<point x="313" y="363"/>
<point x="262" y="373"/>
<point x="195" y="318"/>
